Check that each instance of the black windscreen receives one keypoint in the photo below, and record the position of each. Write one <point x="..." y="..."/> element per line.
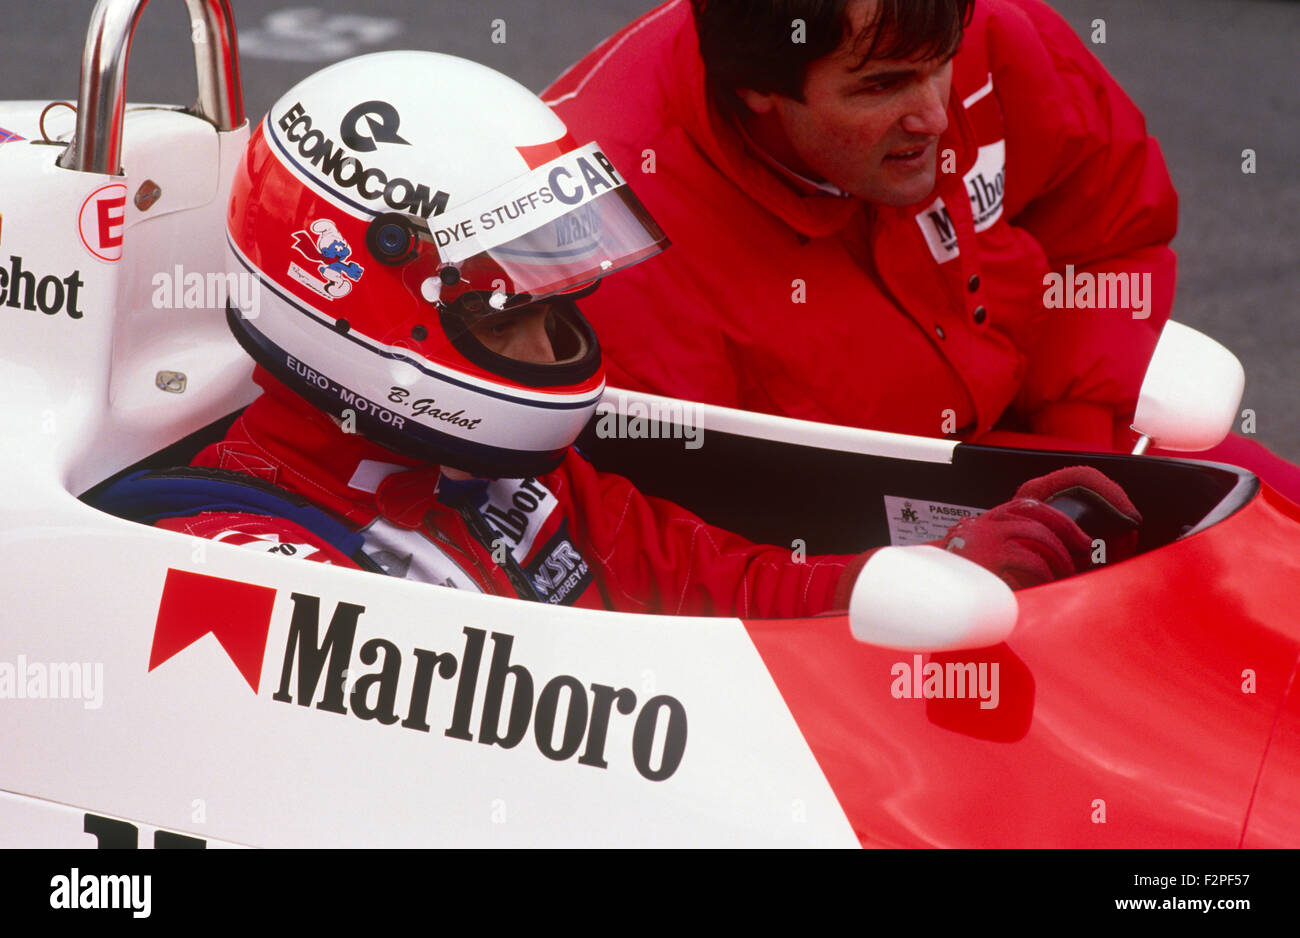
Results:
<point x="774" y="492"/>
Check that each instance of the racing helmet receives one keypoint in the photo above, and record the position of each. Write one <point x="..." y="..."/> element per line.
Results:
<point x="393" y="207"/>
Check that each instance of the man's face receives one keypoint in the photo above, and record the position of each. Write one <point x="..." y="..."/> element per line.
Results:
<point x="523" y="334"/>
<point x="872" y="129"/>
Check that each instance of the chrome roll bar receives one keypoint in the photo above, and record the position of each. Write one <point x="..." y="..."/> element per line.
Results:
<point x="101" y="100"/>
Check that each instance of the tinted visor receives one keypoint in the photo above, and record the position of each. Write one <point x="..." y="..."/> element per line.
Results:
<point x="563" y="224"/>
<point x="605" y="234"/>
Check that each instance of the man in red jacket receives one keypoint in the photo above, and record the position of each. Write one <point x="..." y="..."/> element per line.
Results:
<point x="937" y="217"/>
<point x="425" y="377"/>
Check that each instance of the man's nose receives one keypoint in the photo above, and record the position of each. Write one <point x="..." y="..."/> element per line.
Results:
<point x="531" y="342"/>
<point x="928" y="110"/>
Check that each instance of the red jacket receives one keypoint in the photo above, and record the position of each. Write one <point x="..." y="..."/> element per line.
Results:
<point x="902" y="319"/>
<point x="578" y="536"/>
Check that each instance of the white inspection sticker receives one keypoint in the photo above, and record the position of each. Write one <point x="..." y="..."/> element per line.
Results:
<point x="916" y="521"/>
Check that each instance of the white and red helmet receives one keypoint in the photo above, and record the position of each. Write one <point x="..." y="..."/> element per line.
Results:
<point x="386" y="205"/>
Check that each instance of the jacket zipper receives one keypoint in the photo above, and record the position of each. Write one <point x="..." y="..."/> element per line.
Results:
<point x="455" y="550"/>
<point x="484" y="534"/>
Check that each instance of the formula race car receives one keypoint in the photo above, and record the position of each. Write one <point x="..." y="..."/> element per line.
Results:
<point x="163" y="690"/>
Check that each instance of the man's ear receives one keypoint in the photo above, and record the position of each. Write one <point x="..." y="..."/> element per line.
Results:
<point x="760" y="102"/>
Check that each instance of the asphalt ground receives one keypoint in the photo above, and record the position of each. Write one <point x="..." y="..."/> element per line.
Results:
<point x="1214" y="78"/>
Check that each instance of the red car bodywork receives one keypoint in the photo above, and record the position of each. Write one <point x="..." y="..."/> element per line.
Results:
<point x="1155" y="700"/>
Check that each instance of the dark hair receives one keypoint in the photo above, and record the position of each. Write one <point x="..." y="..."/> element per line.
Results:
<point x="749" y="43"/>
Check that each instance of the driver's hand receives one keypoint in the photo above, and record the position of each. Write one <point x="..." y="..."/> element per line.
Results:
<point x="1027" y="542"/>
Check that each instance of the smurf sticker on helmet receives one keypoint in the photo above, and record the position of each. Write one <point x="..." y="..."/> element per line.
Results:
<point x="330" y="255"/>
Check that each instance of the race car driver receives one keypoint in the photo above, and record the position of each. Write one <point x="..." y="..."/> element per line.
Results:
<point x="953" y="197"/>
<point x="425" y="371"/>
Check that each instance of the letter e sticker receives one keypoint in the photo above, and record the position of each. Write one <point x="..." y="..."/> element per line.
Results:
<point x="103" y="220"/>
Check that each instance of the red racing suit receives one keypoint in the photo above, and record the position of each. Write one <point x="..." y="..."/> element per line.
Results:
<point x="573" y="536"/>
<point x="931" y="319"/>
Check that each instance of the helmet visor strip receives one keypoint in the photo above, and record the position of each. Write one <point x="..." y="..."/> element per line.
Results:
<point x="563" y="225"/>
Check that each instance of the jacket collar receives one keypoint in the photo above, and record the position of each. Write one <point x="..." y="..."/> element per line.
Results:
<point x="812" y="214"/>
<point x="800" y="183"/>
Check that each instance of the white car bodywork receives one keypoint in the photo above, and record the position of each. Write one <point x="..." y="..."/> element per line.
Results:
<point x="189" y="746"/>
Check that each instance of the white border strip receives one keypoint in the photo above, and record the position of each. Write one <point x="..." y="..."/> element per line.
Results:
<point x="787" y="429"/>
<point x="981" y="94"/>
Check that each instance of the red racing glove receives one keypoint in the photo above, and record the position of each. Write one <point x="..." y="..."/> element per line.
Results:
<point x="1033" y="538"/>
<point x="1094" y="503"/>
<point x="1027" y="541"/>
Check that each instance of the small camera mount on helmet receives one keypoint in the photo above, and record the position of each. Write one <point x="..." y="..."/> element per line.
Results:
<point x="392" y="238"/>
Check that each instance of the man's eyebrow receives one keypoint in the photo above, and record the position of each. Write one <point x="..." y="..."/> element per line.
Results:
<point x="902" y="72"/>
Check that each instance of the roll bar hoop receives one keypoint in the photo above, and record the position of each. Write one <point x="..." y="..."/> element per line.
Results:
<point x="101" y="99"/>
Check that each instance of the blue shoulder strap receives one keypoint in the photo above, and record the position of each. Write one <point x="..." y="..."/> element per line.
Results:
<point x="154" y="494"/>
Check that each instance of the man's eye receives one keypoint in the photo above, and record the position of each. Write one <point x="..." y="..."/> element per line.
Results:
<point x="876" y="87"/>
